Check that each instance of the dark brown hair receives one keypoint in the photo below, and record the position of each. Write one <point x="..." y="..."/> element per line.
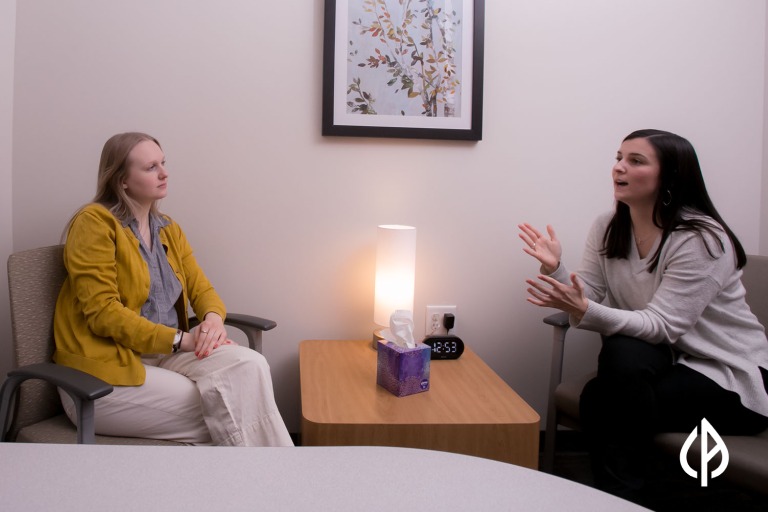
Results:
<point x="681" y="188"/>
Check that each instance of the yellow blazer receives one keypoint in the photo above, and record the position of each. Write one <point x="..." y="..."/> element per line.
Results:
<point x="97" y="325"/>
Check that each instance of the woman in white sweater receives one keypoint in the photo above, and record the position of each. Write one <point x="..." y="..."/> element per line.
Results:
<point x="660" y="279"/>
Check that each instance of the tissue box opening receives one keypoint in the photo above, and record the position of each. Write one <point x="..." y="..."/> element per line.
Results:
<point x="403" y="371"/>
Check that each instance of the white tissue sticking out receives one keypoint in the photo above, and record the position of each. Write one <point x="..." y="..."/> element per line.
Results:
<point x="401" y="328"/>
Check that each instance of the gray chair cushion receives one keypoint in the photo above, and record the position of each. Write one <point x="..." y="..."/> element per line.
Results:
<point x="747" y="457"/>
<point x="59" y="430"/>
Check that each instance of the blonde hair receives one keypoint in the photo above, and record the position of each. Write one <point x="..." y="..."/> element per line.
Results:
<point x="113" y="170"/>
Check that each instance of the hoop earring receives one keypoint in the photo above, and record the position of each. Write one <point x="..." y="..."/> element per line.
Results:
<point x="668" y="201"/>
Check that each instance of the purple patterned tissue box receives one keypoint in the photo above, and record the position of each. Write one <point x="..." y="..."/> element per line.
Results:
<point x="403" y="371"/>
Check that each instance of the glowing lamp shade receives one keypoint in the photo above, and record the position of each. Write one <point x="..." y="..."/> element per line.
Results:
<point x="395" y="271"/>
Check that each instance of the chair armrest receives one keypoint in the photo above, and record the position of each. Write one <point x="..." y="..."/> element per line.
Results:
<point x="82" y="387"/>
<point x="244" y="321"/>
<point x="561" y="325"/>
<point x="81" y="384"/>
<point x="252" y="326"/>
<point x="558" y="320"/>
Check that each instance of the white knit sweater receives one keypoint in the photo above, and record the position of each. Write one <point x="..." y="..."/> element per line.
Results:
<point x="692" y="300"/>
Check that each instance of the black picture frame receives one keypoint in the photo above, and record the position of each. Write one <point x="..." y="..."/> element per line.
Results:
<point x="345" y="99"/>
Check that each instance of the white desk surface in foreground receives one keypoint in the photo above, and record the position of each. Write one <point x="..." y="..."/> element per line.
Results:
<point x="166" y="478"/>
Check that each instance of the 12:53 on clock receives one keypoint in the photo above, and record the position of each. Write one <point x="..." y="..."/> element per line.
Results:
<point x="445" y="347"/>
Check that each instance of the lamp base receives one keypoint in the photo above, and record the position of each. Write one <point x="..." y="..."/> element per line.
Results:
<point x="377" y="337"/>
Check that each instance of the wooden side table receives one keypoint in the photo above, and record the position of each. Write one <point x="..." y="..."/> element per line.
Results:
<point x="468" y="409"/>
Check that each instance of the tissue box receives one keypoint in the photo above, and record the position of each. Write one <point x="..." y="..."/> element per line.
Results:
<point x="403" y="371"/>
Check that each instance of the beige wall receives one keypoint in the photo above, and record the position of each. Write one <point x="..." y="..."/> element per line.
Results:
<point x="764" y="201"/>
<point x="7" y="38"/>
<point x="284" y="220"/>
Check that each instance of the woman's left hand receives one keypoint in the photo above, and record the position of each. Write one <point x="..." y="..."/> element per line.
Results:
<point x="568" y="298"/>
<point x="209" y="335"/>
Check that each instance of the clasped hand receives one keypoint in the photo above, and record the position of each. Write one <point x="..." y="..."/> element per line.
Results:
<point x="206" y="337"/>
<point x="548" y="292"/>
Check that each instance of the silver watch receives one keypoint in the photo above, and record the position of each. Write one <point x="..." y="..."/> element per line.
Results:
<point x="177" y="341"/>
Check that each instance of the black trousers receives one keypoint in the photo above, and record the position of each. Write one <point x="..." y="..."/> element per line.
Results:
<point x="638" y="392"/>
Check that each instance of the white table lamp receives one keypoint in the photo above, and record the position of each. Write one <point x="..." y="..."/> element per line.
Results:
<point x="395" y="273"/>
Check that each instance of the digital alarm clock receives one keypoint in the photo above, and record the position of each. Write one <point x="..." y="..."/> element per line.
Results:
<point x="445" y="347"/>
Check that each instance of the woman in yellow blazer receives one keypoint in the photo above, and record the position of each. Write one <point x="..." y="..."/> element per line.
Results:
<point x="121" y="316"/>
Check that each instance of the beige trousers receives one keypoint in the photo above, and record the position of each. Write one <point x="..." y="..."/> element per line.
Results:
<point x="223" y="399"/>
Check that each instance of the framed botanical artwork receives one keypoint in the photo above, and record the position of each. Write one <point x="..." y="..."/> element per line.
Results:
<point x="403" y="68"/>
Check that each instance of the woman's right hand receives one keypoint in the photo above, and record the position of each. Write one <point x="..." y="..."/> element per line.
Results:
<point x="546" y="250"/>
